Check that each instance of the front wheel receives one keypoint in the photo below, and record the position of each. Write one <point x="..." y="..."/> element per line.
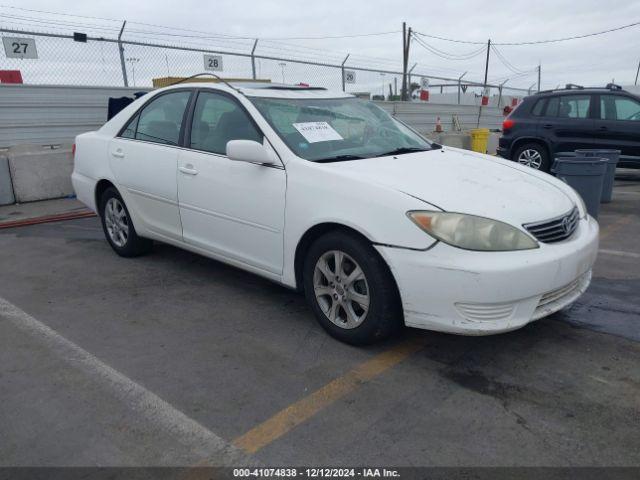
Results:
<point x="351" y="290"/>
<point x="533" y="155"/>
<point x="118" y="227"/>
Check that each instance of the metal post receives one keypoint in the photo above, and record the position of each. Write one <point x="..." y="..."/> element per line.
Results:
<point x="637" y="74"/>
<point x="484" y="88"/>
<point x="500" y="92"/>
<point x="533" y="85"/>
<point x="121" y="49"/>
<point x="409" y="80"/>
<point x="253" y="59"/>
<point x="460" y="85"/>
<point x="539" y="74"/>
<point x="344" y="87"/>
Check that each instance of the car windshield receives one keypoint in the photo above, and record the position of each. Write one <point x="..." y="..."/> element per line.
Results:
<point x="338" y="129"/>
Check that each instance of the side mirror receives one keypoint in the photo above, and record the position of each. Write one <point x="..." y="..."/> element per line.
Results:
<point x="249" y="151"/>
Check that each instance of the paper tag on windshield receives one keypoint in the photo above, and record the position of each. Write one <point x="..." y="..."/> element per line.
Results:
<point x="317" y="131"/>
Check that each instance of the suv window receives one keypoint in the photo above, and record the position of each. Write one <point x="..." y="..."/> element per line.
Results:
<point x="569" y="106"/>
<point x="538" y="107"/>
<point x="218" y="119"/>
<point x="161" y="119"/>
<point x="614" y="107"/>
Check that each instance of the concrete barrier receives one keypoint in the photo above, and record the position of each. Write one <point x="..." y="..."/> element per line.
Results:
<point x="457" y="140"/>
<point x="40" y="173"/>
<point x="463" y="140"/>
<point x="6" y="188"/>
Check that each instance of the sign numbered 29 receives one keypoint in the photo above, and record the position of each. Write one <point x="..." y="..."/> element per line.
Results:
<point x="349" y="76"/>
<point x="213" y="63"/>
<point x="15" y="47"/>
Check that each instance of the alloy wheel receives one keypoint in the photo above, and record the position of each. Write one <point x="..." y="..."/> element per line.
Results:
<point x="116" y="221"/>
<point x="530" y="158"/>
<point x="341" y="289"/>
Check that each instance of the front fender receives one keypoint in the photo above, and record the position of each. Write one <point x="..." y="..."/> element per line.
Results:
<point x="316" y="195"/>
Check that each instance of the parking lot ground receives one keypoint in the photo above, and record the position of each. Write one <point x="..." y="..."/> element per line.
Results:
<point x="175" y="359"/>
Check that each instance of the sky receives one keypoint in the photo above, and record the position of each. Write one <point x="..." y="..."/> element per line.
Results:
<point x="591" y="61"/>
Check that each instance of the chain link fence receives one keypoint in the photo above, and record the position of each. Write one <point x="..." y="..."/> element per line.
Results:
<point x="45" y="58"/>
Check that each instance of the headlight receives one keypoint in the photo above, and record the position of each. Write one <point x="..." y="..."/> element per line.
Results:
<point x="471" y="232"/>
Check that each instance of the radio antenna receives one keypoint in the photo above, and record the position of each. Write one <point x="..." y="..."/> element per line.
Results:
<point x="210" y="74"/>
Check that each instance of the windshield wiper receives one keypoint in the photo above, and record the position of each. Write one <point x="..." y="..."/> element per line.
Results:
<point x="339" y="158"/>
<point x="401" y="150"/>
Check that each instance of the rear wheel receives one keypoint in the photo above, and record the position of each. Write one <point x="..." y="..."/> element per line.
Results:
<point x="118" y="227"/>
<point x="351" y="290"/>
<point x="533" y="155"/>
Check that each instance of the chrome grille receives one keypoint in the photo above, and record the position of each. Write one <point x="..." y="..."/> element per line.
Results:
<point x="556" y="229"/>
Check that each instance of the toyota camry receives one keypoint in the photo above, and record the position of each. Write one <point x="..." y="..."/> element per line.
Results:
<point x="330" y="195"/>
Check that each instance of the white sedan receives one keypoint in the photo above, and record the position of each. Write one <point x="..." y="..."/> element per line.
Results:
<point x="330" y="195"/>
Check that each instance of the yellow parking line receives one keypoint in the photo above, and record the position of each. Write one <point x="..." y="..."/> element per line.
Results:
<point x="302" y="410"/>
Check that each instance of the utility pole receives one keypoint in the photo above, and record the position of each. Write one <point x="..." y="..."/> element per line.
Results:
<point x="539" y="74"/>
<point x="405" y="51"/>
<point x="637" y="74"/>
<point x="486" y="77"/>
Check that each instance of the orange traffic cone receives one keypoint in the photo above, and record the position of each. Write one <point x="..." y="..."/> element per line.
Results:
<point x="438" y="125"/>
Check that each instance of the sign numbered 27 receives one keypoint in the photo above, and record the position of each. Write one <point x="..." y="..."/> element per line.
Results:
<point x="15" y="47"/>
<point x="213" y="63"/>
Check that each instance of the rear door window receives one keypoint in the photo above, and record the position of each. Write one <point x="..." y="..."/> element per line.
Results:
<point x="161" y="119"/>
<point x="569" y="106"/>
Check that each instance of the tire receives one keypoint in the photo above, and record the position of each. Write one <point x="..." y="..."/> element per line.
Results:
<point x="352" y="323"/>
<point x="118" y="227"/>
<point x="533" y="155"/>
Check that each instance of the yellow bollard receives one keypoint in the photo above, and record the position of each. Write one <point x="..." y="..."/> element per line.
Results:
<point x="479" y="139"/>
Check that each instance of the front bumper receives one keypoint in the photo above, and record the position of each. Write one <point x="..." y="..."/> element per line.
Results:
<point x="479" y="293"/>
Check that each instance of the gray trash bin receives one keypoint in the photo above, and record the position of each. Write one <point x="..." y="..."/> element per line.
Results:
<point x="612" y="157"/>
<point x="586" y="176"/>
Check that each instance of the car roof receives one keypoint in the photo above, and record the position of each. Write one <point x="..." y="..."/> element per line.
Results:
<point x="266" y="89"/>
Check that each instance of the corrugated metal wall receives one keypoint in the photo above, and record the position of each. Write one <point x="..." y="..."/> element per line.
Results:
<point x="423" y="115"/>
<point x="45" y="115"/>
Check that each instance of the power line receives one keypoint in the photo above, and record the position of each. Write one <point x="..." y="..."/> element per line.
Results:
<point x="534" y="42"/>
<point x="506" y="62"/>
<point x="447" y="55"/>
<point x="323" y="37"/>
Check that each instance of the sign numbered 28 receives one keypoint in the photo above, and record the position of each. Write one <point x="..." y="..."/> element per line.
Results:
<point x="15" y="47"/>
<point x="213" y="63"/>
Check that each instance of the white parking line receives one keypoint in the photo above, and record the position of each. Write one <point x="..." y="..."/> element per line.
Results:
<point x="204" y="443"/>
<point x="618" y="253"/>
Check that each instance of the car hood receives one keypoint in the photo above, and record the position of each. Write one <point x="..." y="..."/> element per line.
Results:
<point x="466" y="182"/>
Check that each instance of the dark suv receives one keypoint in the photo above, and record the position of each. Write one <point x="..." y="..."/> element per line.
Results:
<point x="557" y="121"/>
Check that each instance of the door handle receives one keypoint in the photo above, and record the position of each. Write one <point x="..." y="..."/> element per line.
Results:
<point x="547" y="126"/>
<point x="118" y="153"/>
<point x="603" y="128"/>
<point x="188" y="170"/>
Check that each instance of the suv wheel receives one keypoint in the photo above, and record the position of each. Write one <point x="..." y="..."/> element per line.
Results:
<point x="351" y="290"/>
<point x="533" y="155"/>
